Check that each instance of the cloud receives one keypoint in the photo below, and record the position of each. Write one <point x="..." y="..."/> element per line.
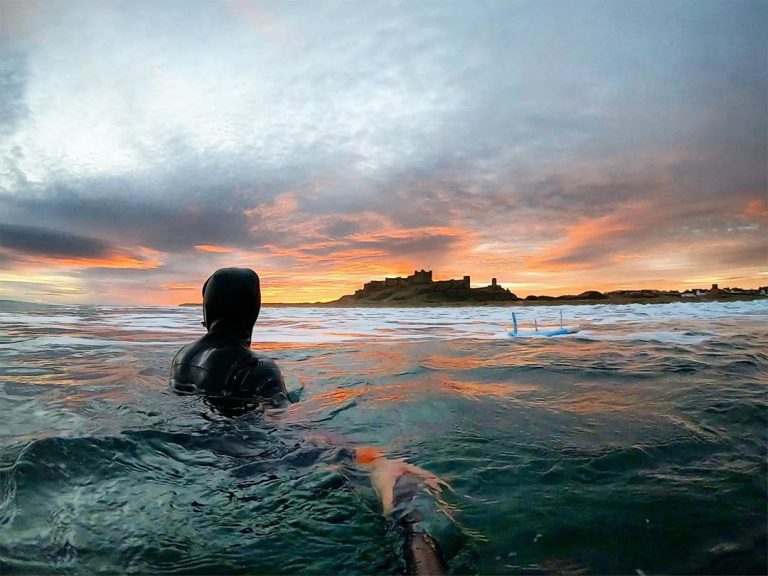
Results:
<point x="13" y="81"/>
<point x="117" y="209"/>
<point x="214" y="249"/>
<point x="636" y="230"/>
<point x="37" y="291"/>
<point x="32" y="240"/>
<point x="361" y="139"/>
<point x="41" y="245"/>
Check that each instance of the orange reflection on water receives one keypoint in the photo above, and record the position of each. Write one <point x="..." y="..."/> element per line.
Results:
<point x="414" y="390"/>
<point x="398" y="393"/>
<point x="594" y="402"/>
<point x="475" y="390"/>
<point x="437" y="362"/>
<point x="284" y="346"/>
<point x="395" y="358"/>
<point x="337" y="397"/>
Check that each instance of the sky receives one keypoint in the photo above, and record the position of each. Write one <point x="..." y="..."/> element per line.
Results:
<point x="557" y="146"/>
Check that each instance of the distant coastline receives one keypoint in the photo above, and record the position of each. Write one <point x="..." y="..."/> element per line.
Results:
<point x="419" y="289"/>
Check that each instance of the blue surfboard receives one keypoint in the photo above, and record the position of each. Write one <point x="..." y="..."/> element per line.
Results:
<point x="547" y="332"/>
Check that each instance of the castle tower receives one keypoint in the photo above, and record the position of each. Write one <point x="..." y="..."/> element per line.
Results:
<point x="421" y="277"/>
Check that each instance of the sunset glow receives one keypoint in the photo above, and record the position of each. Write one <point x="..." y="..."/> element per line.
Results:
<point x="556" y="146"/>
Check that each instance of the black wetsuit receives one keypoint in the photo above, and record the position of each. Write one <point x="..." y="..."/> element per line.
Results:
<point x="221" y="365"/>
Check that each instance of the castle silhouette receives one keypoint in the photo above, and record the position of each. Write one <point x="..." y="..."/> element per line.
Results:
<point x="422" y="282"/>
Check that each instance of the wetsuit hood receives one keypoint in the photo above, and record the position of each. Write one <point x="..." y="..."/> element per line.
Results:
<point x="231" y="302"/>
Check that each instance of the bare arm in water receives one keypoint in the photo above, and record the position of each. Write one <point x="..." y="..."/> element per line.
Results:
<point x="398" y="484"/>
<point x="394" y="479"/>
<point x="385" y="472"/>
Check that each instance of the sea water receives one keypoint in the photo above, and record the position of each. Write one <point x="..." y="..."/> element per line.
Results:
<point x="637" y="446"/>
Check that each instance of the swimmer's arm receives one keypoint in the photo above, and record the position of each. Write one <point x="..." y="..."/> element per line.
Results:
<point x="385" y="472"/>
<point x="422" y="553"/>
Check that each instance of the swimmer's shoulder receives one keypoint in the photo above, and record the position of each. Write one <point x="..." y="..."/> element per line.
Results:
<point x="263" y="379"/>
<point x="262" y="362"/>
<point x="202" y="367"/>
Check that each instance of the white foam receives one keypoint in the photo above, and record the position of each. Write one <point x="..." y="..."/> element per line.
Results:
<point x="684" y="323"/>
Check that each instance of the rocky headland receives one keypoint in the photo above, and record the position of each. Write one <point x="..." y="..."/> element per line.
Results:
<point x="419" y="289"/>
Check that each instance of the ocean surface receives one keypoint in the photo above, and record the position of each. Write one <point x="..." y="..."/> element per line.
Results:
<point x="637" y="446"/>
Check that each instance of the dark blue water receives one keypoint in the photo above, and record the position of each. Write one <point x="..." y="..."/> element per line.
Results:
<point x="637" y="446"/>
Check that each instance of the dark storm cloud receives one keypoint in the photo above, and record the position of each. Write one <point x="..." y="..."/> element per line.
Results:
<point x="29" y="244"/>
<point x="42" y="241"/>
<point x="184" y="215"/>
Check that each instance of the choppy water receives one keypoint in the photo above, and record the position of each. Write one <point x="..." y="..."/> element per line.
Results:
<point x="637" y="446"/>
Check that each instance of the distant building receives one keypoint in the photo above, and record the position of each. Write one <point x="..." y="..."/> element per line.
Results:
<point x="422" y="276"/>
<point x="421" y="285"/>
<point x="418" y="278"/>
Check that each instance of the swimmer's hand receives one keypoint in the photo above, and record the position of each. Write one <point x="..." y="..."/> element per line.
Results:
<point x="385" y="472"/>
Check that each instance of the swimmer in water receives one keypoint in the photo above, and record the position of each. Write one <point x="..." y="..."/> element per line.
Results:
<point x="221" y="365"/>
<point x="232" y="378"/>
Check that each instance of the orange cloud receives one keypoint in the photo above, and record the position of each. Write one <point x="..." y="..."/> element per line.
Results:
<point x="213" y="248"/>
<point x="583" y="235"/>
<point x="340" y="253"/>
<point x="179" y="287"/>
<point x="756" y="210"/>
<point x="409" y="233"/>
<point x="116" y="260"/>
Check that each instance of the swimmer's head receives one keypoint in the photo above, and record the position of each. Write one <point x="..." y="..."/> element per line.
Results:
<point x="231" y="301"/>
